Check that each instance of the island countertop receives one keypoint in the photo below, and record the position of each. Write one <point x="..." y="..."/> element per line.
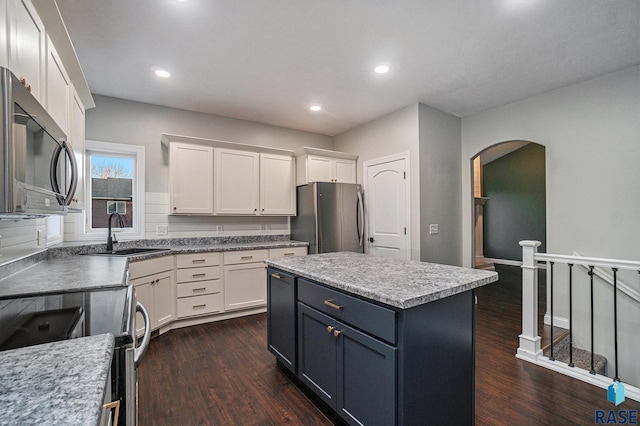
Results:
<point x="59" y="383"/>
<point x="402" y="284"/>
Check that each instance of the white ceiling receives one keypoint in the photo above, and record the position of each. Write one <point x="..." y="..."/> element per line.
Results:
<point x="268" y="60"/>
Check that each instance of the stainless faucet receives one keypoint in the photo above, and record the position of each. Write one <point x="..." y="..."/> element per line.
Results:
<point x="111" y="241"/>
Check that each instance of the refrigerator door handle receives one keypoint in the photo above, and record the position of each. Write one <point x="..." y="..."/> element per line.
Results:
<point x="360" y="218"/>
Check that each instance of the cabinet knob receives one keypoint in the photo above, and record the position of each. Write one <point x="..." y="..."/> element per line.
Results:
<point x="329" y="329"/>
<point x="336" y="332"/>
<point x="255" y="210"/>
<point x="175" y="208"/>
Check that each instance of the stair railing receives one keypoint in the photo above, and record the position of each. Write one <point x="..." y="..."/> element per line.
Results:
<point x="530" y="342"/>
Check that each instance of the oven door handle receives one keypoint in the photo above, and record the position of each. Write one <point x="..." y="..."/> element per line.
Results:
<point x="140" y="350"/>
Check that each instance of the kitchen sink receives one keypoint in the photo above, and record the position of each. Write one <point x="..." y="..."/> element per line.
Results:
<point x="130" y="251"/>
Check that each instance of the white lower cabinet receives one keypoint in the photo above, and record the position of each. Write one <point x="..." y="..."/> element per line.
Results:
<point x="245" y="280"/>
<point x="154" y="283"/>
<point x="198" y="284"/>
<point x="195" y="288"/>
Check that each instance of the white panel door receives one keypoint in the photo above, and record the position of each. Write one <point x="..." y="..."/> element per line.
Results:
<point x="245" y="286"/>
<point x="277" y="185"/>
<point x="386" y="209"/>
<point x="236" y="182"/>
<point x="191" y="177"/>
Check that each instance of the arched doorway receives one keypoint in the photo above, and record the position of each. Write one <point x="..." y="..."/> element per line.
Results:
<point x="509" y="196"/>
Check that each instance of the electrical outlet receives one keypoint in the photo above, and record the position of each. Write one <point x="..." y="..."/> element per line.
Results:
<point x="162" y="230"/>
<point x="433" y="228"/>
<point x="219" y="229"/>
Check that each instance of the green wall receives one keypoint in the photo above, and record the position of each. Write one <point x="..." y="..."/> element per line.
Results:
<point x="515" y="211"/>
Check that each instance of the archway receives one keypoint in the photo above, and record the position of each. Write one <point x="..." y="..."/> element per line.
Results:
<point x="509" y="201"/>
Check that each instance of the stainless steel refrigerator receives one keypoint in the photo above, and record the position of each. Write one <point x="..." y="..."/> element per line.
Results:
<point x="330" y="217"/>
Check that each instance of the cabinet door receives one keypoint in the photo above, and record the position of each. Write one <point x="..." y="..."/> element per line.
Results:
<point x="319" y="169"/>
<point x="245" y="286"/>
<point x="237" y="182"/>
<point x="27" y="42"/>
<point x="344" y="171"/>
<point x="144" y="296"/>
<point x="317" y="353"/>
<point x="277" y="185"/>
<point x="76" y="137"/>
<point x="58" y="88"/>
<point x="281" y="317"/>
<point x="164" y="299"/>
<point x="366" y="378"/>
<point x="191" y="176"/>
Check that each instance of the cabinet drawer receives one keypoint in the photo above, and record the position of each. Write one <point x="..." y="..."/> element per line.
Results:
<point x="198" y="274"/>
<point x="287" y="252"/>
<point x="143" y="268"/>
<point x="199" y="305"/>
<point x="247" y="256"/>
<point x="197" y="260"/>
<point x="376" y="320"/>
<point x="198" y="288"/>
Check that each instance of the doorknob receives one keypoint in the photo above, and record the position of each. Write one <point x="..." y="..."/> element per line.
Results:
<point x="371" y="239"/>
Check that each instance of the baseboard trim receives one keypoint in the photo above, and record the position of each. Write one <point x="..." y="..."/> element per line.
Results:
<point x="603" y="382"/>
<point x="503" y="261"/>
<point x="557" y="321"/>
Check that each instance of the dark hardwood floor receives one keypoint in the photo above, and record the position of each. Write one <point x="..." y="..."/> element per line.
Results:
<point x="222" y="374"/>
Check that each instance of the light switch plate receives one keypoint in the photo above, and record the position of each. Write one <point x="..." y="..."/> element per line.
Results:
<point x="162" y="230"/>
<point x="433" y="228"/>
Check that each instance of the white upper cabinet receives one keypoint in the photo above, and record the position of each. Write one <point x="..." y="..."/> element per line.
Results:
<point x="27" y="45"/>
<point x="321" y="165"/>
<point x="76" y="137"/>
<point x="236" y="182"/>
<point x="191" y="178"/>
<point x="58" y="89"/>
<point x="277" y="185"/>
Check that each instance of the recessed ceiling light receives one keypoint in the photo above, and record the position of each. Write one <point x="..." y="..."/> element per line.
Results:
<point x="162" y="73"/>
<point x="381" y="69"/>
<point x="315" y="107"/>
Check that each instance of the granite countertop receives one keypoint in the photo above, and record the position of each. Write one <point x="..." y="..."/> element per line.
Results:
<point x="69" y="267"/>
<point x="398" y="283"/>
<point x="51" y="384"/>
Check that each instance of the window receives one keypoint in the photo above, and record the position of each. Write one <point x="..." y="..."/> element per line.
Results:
<point x="117" y="207"/>
<point x="114" y="184"/>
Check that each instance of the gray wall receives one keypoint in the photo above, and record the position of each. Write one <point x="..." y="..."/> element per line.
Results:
<point x="135" y="123"/>
<point x="391" y="134"/>
<point x="515" y="211"/>
<point x="591" y="134"/>
<point x="440" y="186"/>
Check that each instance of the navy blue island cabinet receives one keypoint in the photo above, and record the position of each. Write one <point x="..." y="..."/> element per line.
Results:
<point x="372" y="363"/>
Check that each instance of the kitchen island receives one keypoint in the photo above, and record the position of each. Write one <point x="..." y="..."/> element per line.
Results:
<point x="380" y="341"/>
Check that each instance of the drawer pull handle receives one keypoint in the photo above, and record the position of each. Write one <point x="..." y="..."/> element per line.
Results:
<point x="198" y="275"/>
<point x="246" y="257"/>
<point x="332" y="305"/>
<point x="336" y="332"/>
<point x="199" y="306"/>
<point x="330" y="329"/>
<point x="289" y="254"/>
<point x="199" y="289"/>
<point x="277" y="276"/>
<point x="198" y="261"/>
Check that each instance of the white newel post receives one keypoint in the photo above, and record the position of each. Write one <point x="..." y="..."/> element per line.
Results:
<point x="529" y="339"/>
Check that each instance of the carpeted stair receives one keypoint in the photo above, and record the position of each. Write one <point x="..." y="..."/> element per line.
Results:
<point x="581" y="357"/>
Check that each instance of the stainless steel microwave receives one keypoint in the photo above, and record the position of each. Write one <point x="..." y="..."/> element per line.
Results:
<point x="37" y="165"/>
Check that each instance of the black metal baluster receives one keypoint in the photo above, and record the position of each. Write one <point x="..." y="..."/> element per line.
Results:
<point x="593" y="371"/>
<point x="615" y="319"/>
<point x="552" y="358"/>
<point x="571" y="315"/>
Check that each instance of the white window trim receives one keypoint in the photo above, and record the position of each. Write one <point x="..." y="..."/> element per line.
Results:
<point x="82" y="230"/>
